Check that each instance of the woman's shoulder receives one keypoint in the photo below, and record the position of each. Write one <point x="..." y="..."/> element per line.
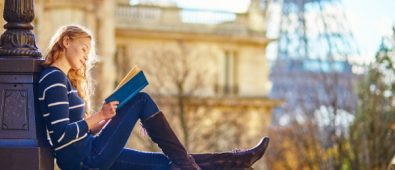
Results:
<point x="51" y="74"/>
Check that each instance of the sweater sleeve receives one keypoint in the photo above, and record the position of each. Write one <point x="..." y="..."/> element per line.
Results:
<point x="56" y="101"/>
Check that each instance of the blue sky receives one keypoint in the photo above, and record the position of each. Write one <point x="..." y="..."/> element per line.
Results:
<point x="369" y="20"/>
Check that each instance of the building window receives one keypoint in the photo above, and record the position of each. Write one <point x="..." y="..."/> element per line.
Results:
<point x="228" y="74"/>
<point x="122" y="62"/>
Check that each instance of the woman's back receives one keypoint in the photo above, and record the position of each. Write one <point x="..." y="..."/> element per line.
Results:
<point x="63" y="111"/>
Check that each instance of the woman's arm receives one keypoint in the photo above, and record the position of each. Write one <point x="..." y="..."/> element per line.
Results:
<point x="54" y="96"/>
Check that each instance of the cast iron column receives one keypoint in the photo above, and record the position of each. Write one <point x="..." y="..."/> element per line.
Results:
<point x="22" y="137"/>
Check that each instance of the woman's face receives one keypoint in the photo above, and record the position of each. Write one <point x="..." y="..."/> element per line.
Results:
<point x="77" y="51"/>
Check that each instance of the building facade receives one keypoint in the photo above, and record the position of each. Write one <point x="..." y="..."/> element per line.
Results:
<point x="207" y="69"/>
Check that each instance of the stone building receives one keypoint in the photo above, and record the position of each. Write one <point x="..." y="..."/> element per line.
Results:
<point x="207" y="69"/>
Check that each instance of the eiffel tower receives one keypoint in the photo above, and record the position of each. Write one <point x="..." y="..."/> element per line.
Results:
<point x="312" y="68"/>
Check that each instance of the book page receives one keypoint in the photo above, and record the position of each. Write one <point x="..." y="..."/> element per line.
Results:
<point x="128" y="76"/>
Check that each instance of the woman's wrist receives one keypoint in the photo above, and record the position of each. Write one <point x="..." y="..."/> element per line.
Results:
<point x="94" y="119"/>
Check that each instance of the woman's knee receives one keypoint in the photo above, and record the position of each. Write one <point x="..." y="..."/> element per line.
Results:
<point x="140" y="97"/>
<point x="150" y="106"/>
<point x="143" y="95"/>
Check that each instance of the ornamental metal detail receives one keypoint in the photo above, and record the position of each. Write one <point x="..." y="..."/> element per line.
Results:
<point x="14" y="113"/>
<point x="18" y="39"/>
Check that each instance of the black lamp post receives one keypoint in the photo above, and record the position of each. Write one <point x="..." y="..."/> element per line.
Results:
<point x="22" y="137"/>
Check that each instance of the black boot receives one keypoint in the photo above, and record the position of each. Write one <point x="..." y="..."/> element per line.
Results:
<point x="161" y="133"/>
<point x="243" y="159"/>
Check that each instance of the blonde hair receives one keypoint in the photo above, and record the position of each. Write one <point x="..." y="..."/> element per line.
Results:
<point x="81" y="79"/>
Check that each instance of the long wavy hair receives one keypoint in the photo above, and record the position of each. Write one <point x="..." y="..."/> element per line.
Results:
<point x="81" y="78"/>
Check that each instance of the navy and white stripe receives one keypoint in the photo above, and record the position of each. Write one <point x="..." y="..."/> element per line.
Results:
<point x="50" y="87"/>
<point x="47" y="74"/>
<point x="61" y="108"/>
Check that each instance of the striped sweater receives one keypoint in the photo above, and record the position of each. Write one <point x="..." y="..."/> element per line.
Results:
<point x="63" y="110"/>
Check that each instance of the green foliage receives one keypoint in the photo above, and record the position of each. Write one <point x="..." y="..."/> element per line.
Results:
<point x="371" y="137"/>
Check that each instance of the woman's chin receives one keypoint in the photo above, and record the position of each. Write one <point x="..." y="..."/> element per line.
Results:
<point x="77" y="67"/>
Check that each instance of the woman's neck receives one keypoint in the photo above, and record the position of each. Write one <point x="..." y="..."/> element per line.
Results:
<point x="62" y="65"/>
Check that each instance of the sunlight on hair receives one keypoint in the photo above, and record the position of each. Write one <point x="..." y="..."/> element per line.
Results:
<point x="81" y="79"/>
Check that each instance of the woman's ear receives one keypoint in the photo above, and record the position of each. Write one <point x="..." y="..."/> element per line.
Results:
<point x="66" y="42"/>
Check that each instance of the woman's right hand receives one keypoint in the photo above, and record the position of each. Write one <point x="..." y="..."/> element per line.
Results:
<point x="108" y="110"/>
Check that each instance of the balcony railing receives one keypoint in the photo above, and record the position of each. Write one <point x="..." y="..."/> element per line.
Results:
<point x="174" y="19"/>
<point x="139" y="13"/>
<point x="174" y="14"/>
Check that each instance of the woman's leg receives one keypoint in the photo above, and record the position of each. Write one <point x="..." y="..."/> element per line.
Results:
<point x="161" y="133"/>
<point x="107" y="146"/>
<point x="137" y="160"/>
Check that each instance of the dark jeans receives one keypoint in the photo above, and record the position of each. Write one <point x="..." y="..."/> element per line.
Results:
<point x="108" y="150"/>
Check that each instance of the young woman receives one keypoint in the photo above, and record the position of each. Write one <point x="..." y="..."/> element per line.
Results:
<point x="64" y="104"/>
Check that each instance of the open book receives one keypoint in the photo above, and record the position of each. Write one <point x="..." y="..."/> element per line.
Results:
<point x="129" y="86"/>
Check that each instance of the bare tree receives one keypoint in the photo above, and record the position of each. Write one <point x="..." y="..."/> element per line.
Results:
<point x="181" y="73"/>
<point x="177" y="74"/>
<point x="319" y="107"/>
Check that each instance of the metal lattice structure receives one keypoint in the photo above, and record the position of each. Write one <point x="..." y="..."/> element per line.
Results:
<point x="312" y="67"/>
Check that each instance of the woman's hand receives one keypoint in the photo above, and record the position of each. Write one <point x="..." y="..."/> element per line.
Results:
<point x="108" y="110"/>
<point x="99" y="126"/>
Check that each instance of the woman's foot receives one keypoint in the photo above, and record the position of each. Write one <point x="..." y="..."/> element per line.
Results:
<point x="241" y="159"/>
<point x="250" y="156"/>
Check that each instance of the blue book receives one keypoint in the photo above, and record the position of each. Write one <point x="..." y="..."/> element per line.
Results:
<point x="129" y="86"/>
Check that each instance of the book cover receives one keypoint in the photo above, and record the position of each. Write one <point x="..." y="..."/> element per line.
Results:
<point x="128" y="87"/>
